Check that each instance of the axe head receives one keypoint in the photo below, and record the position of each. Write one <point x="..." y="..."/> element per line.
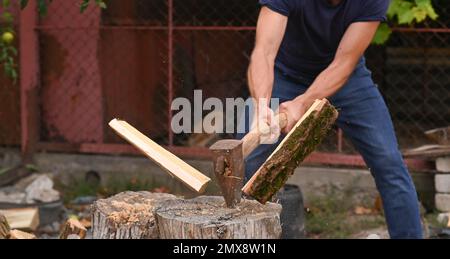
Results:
<point x="229" y="169"/>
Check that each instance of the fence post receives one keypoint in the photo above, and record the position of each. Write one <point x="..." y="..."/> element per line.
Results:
<point x="170" y="69"/>
<point x="29" y="80"/>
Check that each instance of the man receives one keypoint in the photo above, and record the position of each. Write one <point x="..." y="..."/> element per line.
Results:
<point x="313" y="49"/>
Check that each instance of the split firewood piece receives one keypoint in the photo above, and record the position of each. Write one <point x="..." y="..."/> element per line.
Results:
<point x="304" y="138"/>
<point x="166" y="160"/>
<point x="73" y="227"/>
<point x="17" y="234"/>
<point x="23" y="219"/>
<point x="4" y="227"/>
<point x="128" y="215"/>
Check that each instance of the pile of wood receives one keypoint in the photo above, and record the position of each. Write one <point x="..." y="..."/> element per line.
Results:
<point x="438" y="152"/>
<point x="18" y="223"/>
<point x="7" y="233"/>
<point x="146" y="215"/>
<point x="438" y="147"/>
<point x="26" y="219"/>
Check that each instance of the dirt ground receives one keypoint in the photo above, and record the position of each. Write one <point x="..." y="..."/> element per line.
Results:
<point x="330" y="216"/>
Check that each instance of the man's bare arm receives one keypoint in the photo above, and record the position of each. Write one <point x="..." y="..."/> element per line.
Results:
<point x="352" y="47"/>
<point x="269" y="35"/>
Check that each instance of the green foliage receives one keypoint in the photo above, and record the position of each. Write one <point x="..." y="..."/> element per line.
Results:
<point x="79" y="188"/>
<point x="8" y="52"/>
<point x="405" y="12"/>
<point x="331" y="216"/>
<point x="42" y="5"/>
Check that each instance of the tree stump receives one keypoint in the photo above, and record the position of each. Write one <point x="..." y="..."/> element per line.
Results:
<point x="209" y="218"/>
<point x="128" y="215"/>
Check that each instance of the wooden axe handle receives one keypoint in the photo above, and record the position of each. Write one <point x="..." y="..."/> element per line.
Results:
<point x="253" y="139"/>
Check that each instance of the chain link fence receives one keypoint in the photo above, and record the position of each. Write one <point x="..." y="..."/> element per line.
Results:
<point x="413" y="72"/>
<point x="9" y="97"/>
<point x="132" y="59"/>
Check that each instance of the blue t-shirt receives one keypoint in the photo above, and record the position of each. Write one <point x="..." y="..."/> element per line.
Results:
<point x="315" y="29"/>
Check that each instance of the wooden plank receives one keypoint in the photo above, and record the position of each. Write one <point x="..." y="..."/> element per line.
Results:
<point x="304" y="138"/>
<point x="23" y="219"/>
<point x="166" y="160"/>
<point x="439" y="136"/>
<point x="29" y="80"/>
<point x="17" y="234"/>
<point x="428" y="151"/>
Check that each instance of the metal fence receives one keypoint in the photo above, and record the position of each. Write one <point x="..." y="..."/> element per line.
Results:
<point x="9" y="99"/>
<point x="132" y="59"/>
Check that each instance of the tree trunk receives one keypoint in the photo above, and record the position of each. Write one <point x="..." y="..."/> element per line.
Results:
<point x="209" y="218"/>
<point x="297" y="146"/>
<point x="127" y="215"/>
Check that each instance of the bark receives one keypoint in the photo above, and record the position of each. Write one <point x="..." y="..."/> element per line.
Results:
<point x="4" y="227"/>
<point x="274" y="174"/>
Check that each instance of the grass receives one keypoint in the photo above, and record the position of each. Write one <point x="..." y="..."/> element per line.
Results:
<point x="431" y="219"/>
<point x="80" y="188"/>
<point x="332" y="217"/>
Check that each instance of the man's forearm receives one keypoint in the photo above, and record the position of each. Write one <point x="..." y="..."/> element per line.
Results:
<point x="355" y="41"/>
<point x="330" y="81"/>
<point x="261" y="76"/>
<point x="327" y="84"/>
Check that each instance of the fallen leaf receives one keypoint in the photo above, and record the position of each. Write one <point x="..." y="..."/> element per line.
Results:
<point x="378" y="205"/>
<point x="363" y="211"/>
<point x="161" y="190"/>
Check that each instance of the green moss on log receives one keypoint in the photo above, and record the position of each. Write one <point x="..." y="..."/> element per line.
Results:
<point x="303" y="141"/>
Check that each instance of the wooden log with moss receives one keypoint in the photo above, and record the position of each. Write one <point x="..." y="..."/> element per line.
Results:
<point x="4" y="227"/>
<point x="308" y="133"/>
<point x="128" y="215"/>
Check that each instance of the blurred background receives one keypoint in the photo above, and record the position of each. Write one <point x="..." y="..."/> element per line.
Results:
<point x="131" y="59"/>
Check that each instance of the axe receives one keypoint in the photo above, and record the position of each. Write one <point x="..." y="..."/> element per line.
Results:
<point x="229" y="165"/>
<point x="302" y="140"/>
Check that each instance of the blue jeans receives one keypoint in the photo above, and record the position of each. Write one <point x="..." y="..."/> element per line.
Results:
<point x="366" y="121"/>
